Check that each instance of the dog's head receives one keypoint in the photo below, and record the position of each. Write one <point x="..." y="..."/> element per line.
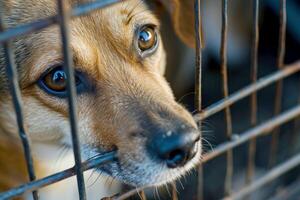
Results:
<point x="123" y="100"/>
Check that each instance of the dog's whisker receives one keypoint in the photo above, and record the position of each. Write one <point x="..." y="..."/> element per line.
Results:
<point x="185" y="95"/>
<point x="208" y="143"/>
<point x="157" y="193"/>
<point x="167" y="188"/>
<point x="99" y="175"/>
<point x="90" y="176"/>
<point x="63" y="152"/>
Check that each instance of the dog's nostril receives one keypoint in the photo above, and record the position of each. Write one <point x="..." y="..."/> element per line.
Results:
<point x="176" y="158"/>
<point x="197" y="138"/>
<point x="176" y="149"/>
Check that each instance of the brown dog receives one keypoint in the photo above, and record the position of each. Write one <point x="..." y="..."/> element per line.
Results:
<point x="123" y="100"/>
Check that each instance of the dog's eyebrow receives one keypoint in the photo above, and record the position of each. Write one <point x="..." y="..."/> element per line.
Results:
<point x="132" y="14"/>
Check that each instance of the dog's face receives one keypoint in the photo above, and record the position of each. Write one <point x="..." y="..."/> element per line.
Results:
<point x="123" y="100"/>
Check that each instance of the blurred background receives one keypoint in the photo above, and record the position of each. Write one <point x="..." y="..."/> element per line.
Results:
<point x="180" y="74"/>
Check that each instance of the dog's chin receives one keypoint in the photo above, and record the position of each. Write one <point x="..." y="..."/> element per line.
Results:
<point x="148" y="172"/>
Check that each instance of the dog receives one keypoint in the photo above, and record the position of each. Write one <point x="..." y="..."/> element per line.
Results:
<point x="123" y="99"/>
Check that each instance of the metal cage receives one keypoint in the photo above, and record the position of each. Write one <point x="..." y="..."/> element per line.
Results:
<point x="270" y="126"/>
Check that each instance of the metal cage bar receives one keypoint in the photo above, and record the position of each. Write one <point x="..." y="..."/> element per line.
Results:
<point x="248" y="90"/>
<point x="223" y="55"/>
<point x="254" y="65"/>
<point x="198" y="80"/>
<point x="11" y="71"/>
<point x="266" y="127"/>
<point x="279" y="85"/>
<point x="83" y="9"/>
<point x="261" y="129"/>
<point x="270" y="176"/>
<point x="92" y="163"/>
<point x="63" y="19"/>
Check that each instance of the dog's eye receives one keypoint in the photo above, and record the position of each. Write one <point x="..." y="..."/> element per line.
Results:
<point x="55" y="82"/>
<point x="147" y="38"/>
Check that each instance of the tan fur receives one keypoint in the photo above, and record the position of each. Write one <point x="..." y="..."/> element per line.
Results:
<point x="126" y="88"/>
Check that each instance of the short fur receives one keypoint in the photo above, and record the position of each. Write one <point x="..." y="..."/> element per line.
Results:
<point x="128" y="91"/>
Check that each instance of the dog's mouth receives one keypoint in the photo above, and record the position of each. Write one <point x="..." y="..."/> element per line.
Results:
<point x="145" y="171"/>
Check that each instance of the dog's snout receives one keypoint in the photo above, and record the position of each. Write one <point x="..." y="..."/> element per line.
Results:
<point x="175" y="148"/>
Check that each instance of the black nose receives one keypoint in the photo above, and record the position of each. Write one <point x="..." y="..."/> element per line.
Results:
<point x="174" y="148"/>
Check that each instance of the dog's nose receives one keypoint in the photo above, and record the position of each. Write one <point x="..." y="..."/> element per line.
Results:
<point x="175" y="148"/>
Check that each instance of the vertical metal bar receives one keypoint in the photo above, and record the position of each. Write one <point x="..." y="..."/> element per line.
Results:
<point x="279" y="85"/>
<point x="223" y="55"/>
<point x="198" y="80"/>
<point x="64" y="17"/>
<point x="142" y="195"/>
<point x="174" y="191"/>
<point x="12" y="76"/>
<point x="254" y="64"/>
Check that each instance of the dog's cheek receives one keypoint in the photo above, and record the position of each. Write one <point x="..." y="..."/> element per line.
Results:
<point x="42" y="123"/>
<point x="8" y="117"/>
<point x="47" y="125"/>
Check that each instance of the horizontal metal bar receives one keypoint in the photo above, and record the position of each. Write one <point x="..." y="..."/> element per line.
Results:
<point x="265" y="127"/>
<point x="246" y="91"/>
<point x="92" y="6"/>
<point x="27" y="28"/>
<point x="273" y="174"/>
<point x="110" y="156"/>
<point x="290" y="191"/>
<point x="12" y="33"/>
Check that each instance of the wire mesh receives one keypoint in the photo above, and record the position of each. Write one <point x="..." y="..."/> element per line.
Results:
<point x="271" y="126"/>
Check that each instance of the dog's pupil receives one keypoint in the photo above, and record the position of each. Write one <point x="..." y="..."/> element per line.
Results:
<point x="59" y="77"/>
<point x="146" y="38"/>
<point x="56" y="80"/>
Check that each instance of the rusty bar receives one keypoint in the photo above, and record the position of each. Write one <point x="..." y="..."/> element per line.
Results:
<point x="246" y="91"/>
<point x="279" y="85"/>
<point x="142" y="195"/>
<point x="223" y="56"/>
<point x="64" y="18"/>
<point x="198" y="87"/>
<point x="270" y="176"/>
<point x="174" y="191"/>
<point x="254" y="65"/>
<point x="27" y="28"/>
<point x="264" y="128"/>
<point x="92" y="163"/>
<point x="11" y="71"/>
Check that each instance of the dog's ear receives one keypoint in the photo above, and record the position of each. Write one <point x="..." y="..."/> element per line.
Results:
<point x="182" y="15"/>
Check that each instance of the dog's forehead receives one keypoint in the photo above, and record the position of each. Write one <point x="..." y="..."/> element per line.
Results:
<point x="99" y="33"/>
<point x="116" y="23"/>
